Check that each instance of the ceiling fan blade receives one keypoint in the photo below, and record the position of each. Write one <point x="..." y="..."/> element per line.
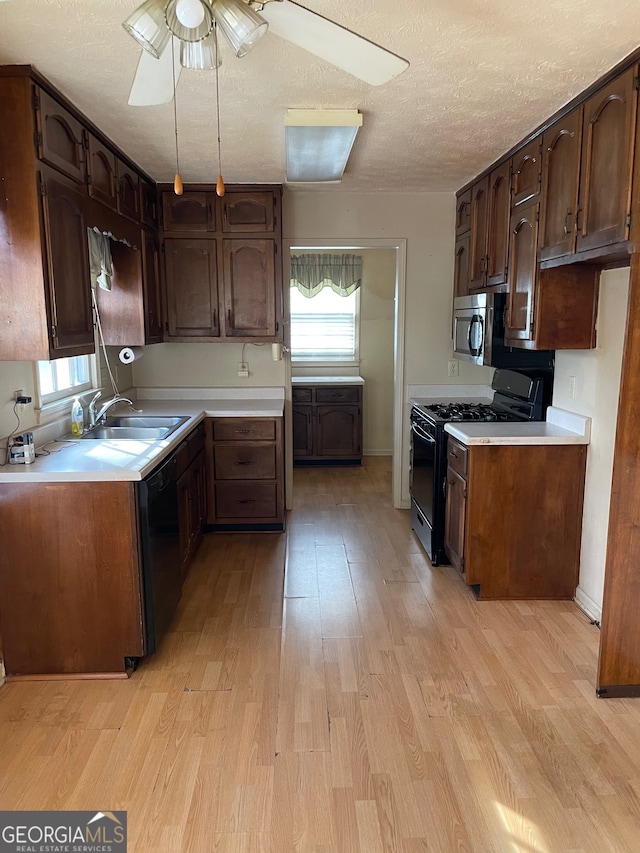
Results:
<point x="341" y="47"/>
<point x="153" y="82"/>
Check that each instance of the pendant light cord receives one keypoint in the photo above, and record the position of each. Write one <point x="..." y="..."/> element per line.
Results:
<point x="218" y="100"/>
<point x="175" y="106"/>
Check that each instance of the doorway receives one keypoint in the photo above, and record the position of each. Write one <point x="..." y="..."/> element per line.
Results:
<point x="395" y="255"/>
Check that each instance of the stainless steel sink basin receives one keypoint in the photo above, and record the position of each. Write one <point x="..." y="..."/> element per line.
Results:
<point x="135" y="428"/>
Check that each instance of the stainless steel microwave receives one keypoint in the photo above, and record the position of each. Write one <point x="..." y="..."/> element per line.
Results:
<point x="478" y="334"/>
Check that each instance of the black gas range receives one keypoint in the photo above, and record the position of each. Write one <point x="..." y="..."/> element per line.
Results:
<point x="516" y="397"/>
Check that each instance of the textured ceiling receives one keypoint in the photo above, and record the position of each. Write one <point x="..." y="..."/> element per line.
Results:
<point x="483" y="73"/>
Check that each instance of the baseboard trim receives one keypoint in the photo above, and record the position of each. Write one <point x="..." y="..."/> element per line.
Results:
<point x="378" y="453"/>
<point x="588" y="605"/>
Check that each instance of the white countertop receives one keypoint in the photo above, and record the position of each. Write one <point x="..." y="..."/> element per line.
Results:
<point x="561" y="427"/>
<point x="86" y="460"/>
<point x="327" y="380"/>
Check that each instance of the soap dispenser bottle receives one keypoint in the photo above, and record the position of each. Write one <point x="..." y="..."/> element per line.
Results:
<point x="77" y="418"/>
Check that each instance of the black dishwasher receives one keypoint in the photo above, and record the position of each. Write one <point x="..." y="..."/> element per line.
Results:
<point x="160" y="548"/>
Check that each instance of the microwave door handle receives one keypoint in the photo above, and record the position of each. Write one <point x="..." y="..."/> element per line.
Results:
<point x="475" y="351"/>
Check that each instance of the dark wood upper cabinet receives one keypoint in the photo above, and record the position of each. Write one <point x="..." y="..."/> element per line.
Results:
<point x="561" y="149"/>
<point x="478" y="252"/>
<point x="192" y="211"/>
<point x="151" y="287"/>
<point x="101" y="172"/>
<point x="463" y="213"/>
<point x="499" y="203"/>
<point x="526" y="173"/>
<point x="128" y="192"/>
<point x="609" y="126"/>
<point x="461" y="265"/>
<point x="249" y="212"/>
<point x="67" y="269"/>
<point x="522" y="272"/>
<point x="59" y="136"/>
<point x="249" y="278"/>
<point x="148" y="204"/>
<point x="191" y="279"/>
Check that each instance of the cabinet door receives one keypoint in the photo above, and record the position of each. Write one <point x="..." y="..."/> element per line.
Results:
<point x="455" y="514"/>
<point x="249" y="212"/>
<point x="461" y="266"/>
<point x="499" y="207"/>
<point x="526" y="173"/>
<point x="522" y="272"/>
<point x="59" y="137"/>
<point x="184" y="518"/>
<point x="128" y="192"/>
<point x="249" y="277"/>
<point x="191" y="211"/>
<point x="607" y="161"/>
<point x="67" y="264"/>
<point x="101" y="173"/>
<point x="197" y="489"/>
<point x="148" y="205"/>
<point x="191" y="280"/>
<point x="151" y="288"/>
<point x="302" y="430"/>
<point x="338" y="430"/>
<point x="463" y="213"/>
<point x="561" y="146"/>
<point x="478" y="255"/>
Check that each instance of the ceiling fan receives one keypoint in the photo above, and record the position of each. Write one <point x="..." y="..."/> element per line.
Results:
<point x="160" y="26"/>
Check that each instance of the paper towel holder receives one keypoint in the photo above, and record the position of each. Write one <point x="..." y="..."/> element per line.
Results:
<point x="277" y="351"/>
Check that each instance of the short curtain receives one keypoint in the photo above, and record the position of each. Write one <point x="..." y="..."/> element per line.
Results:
<point x="311" y="273"/>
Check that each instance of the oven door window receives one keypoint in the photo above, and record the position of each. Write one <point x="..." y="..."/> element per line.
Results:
<point x="423" y="470"/>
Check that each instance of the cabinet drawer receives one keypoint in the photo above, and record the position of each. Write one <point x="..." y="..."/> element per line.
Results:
<point x="457" y="457"/>
<point x="248" y="462"/>
<point x="246" y="500"/>
<point x="301" y="395"/>
<point x="241" y="429"/>
<point x="349" y="394"/>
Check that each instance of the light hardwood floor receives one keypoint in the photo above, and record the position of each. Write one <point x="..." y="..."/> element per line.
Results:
<point x="327" y="691"/>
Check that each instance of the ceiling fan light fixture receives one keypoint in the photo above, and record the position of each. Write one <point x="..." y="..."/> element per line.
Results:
<point x="318" y="144"/>
<point x="240" y="24"/>
<point x="174" y="11"/>
<point x="200" y="55"/>
<point x="147" y="25"/>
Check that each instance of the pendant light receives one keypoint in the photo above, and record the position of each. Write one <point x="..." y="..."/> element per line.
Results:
<point x="177" y="181"/>
<point x="220" y="181"/>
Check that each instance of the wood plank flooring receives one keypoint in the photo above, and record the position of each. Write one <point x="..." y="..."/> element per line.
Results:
<point x="328" y="691"/>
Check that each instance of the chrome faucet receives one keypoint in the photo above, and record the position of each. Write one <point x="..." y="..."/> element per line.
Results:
<point x="96" y="417"/>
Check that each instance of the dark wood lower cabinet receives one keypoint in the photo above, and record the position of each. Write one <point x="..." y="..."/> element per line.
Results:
<point x="514" y="518"/>
<point x="327" y="424"/>
<point x="245" y="473"/>
<point x="191" y="470"/>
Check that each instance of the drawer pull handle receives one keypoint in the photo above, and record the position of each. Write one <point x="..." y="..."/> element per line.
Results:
<point x="453" y="453"/>
<point x="247" y="501"/>
<point x="239" y="462"/>
<point x="244" y="431"/>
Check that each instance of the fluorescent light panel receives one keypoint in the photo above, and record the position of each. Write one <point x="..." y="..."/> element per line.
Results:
<point x="318" y="143"/>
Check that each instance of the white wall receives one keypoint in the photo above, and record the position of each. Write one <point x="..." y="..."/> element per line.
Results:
<point x="597" y="385"/>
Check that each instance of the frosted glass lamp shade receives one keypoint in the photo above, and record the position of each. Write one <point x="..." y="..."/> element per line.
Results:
<point x="175" y="25"/>
<point x="200" y="55"/>
<point x="241" y="26"/>
<point x="147" y="25"/>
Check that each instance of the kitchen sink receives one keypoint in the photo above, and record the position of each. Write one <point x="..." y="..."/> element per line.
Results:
<point x="135" y="428"/>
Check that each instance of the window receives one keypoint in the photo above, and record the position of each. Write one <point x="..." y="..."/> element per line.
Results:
<point x="63" y="377"/>
<point x="325" y="327"/>
<point x="325" y="304"/>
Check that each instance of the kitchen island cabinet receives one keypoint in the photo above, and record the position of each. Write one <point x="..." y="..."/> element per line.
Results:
<point x="514" y="517"/>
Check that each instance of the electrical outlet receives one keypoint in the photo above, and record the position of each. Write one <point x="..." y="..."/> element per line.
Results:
<point x="453" y="367"/>
<point x="243" y="370"/>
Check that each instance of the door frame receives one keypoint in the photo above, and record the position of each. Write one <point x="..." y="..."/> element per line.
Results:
<point x="399" y="244"/>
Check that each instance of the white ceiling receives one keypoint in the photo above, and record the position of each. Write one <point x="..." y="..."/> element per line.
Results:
<point x="483" y="74"/>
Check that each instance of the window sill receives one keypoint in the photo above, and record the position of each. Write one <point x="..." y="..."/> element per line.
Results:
<point x="56" y="409"/>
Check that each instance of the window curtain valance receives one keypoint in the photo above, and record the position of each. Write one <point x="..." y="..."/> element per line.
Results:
<point x="311" y="273"/>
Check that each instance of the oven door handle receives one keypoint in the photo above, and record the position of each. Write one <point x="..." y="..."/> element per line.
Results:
<point x="476" y="351"/>
<point x="422" y="434"/>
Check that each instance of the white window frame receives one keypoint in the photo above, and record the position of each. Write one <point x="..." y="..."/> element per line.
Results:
<point x="327" y="361"/>
<point x="50" y="406"/>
